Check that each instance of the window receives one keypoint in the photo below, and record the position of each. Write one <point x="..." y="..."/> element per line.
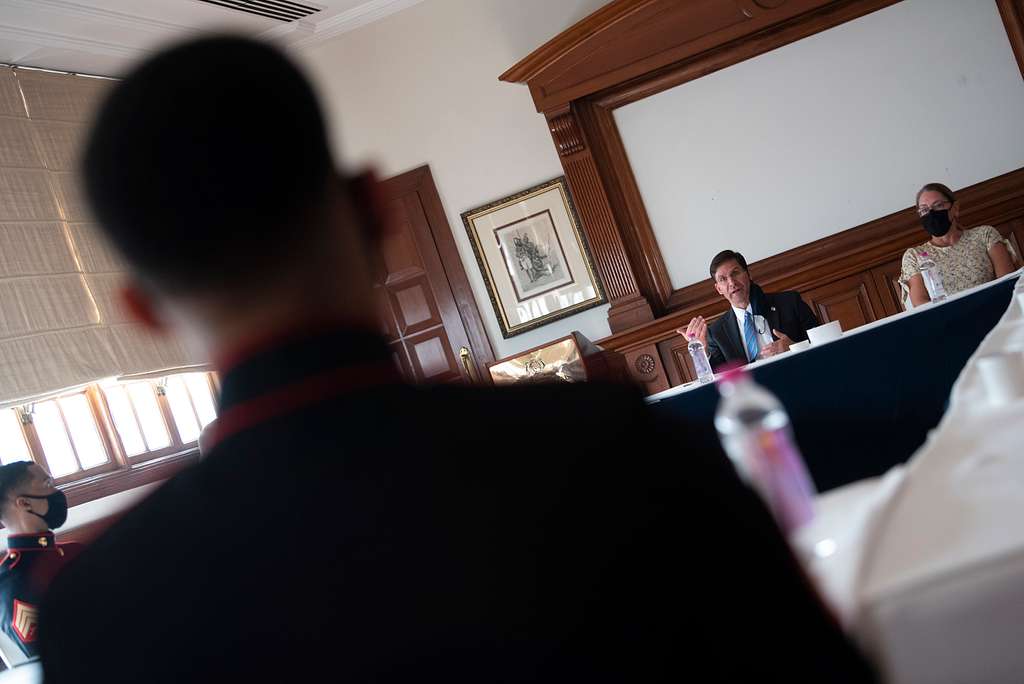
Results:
<point x="155" y="417"/>
<point x="138" y="420"/>
<point x="112" y="428"/>
<point x="191" y="404"/>
<point x="13" y="446"/>
<point x="69" y="436"/>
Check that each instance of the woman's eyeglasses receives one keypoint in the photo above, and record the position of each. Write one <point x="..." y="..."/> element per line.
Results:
<point x="941" y="205"/>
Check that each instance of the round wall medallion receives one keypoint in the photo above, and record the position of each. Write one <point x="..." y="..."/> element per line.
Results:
<point x="645" y="364"/>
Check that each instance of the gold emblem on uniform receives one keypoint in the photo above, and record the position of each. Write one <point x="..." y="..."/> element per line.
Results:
<point x="25" y="621"/>
<point x="43" y="542"/>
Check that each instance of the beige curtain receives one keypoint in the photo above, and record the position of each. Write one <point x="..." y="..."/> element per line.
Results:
<point x="61" y="325"/>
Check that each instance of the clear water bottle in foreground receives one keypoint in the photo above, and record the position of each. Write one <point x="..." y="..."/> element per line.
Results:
<point x="700" y="360"/>
<point x="755" y="432"/>
<point x="932" y="277"/>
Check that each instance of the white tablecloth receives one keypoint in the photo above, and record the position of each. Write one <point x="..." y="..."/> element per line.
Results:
<point x="926" y="565"/>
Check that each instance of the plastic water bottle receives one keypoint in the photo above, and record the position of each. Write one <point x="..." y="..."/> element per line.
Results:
<point x="700" y="360"/>
<point x="932" y="277"/>
<point x="755" y="431"/>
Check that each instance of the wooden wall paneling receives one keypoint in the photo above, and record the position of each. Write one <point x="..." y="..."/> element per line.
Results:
<point x="626" y="203"/>
<point x="677" y="361"/>
<point x="628" y="306"/>
<point x="852" y="301"/>
<point x="886" y="279"/>
<point x="646" y="368"/>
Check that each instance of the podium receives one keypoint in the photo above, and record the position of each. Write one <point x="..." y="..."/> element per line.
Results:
<point x="572" y="358"/>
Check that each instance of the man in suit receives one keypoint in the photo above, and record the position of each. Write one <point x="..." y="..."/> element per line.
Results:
<point x="757" y="325"/>
<point x="345" y="526"/>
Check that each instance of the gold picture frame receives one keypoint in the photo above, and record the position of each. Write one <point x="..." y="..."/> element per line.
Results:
<point x="533" y="257"/>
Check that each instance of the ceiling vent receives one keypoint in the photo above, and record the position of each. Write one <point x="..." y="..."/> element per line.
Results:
<point x="281" y="10"/>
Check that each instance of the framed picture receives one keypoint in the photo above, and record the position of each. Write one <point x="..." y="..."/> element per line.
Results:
<point x="533" y="257"/>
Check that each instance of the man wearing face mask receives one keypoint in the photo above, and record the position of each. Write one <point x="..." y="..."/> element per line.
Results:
<point x="965" y="257"/>
<point x="30" y="508"/>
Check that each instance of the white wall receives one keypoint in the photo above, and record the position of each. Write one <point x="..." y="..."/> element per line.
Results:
<point x="422" y="87"/>
<point x="98" y="509"/>
<point x="827" y="133"/>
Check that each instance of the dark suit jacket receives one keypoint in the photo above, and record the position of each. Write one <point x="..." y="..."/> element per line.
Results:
<point x="784" y="311"/>
<point x="345" y="529"/>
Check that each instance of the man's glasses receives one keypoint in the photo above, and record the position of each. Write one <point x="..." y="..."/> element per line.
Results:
<point x="941" y="205"/>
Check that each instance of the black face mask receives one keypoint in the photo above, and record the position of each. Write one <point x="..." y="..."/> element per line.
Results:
<point x="57" y="513"/>
<point x="936" y="222"/>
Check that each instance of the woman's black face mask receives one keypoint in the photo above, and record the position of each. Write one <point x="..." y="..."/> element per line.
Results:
<point x="936" y="222"/>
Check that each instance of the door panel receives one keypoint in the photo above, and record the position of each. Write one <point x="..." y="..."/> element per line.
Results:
<point x="432" y="356"/>
<point x="414" y="305"/>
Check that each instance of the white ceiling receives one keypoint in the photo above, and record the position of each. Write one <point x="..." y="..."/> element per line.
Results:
<point x="105" y="37"/>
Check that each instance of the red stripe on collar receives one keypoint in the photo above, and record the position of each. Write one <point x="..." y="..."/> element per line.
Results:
<point x="308" y="391"/>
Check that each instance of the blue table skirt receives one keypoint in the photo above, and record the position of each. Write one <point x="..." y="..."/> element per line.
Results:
<point x="866" y="402"/>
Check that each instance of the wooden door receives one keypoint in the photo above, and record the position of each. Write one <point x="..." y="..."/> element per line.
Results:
<point x="429" y="315"/>
<point x="852" y="301"/>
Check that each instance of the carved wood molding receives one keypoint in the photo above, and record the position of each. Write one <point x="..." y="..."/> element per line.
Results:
<point x="996" y="201"/>
<point x="567" y="135"/>
<point x="632" y="39"/>
<point x="1012" y="12"/>
<point x="628" y="306"/>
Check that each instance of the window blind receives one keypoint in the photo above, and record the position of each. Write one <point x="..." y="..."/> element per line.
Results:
<point x="61" y="324"/>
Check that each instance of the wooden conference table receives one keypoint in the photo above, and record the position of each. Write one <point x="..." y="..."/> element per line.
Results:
<point x="864" y="403"/>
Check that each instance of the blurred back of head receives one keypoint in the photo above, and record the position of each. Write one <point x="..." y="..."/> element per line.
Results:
<point x="208" y="165"/>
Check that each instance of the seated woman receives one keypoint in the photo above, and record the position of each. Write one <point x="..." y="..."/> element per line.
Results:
<point x="964" y="257"/>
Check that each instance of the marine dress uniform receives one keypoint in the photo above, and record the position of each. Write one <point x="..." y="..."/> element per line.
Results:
<point x="26" y="571"/>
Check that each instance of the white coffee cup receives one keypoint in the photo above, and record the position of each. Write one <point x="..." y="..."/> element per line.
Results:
<point x="1002" y="375"/>
<point x="825" y="333"/>
<point x="797" y="346"/>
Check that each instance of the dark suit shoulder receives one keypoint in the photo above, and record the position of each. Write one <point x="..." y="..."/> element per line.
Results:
<point x="719" y="325"/>
<point x="783" y="298"/>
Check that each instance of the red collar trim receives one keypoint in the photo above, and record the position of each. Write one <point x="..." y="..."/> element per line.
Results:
<point x="311" y="390"/>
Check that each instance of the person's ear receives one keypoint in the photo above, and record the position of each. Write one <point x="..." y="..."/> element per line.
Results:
<point x="141" y="306"/>
<point x="367" y="196"/>
<point x="954" y="211"/>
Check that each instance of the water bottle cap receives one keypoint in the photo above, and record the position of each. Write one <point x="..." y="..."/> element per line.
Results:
<point x="690" y="336"/>
<point x="924" y="253"/>
<point x="733" y="374"/>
